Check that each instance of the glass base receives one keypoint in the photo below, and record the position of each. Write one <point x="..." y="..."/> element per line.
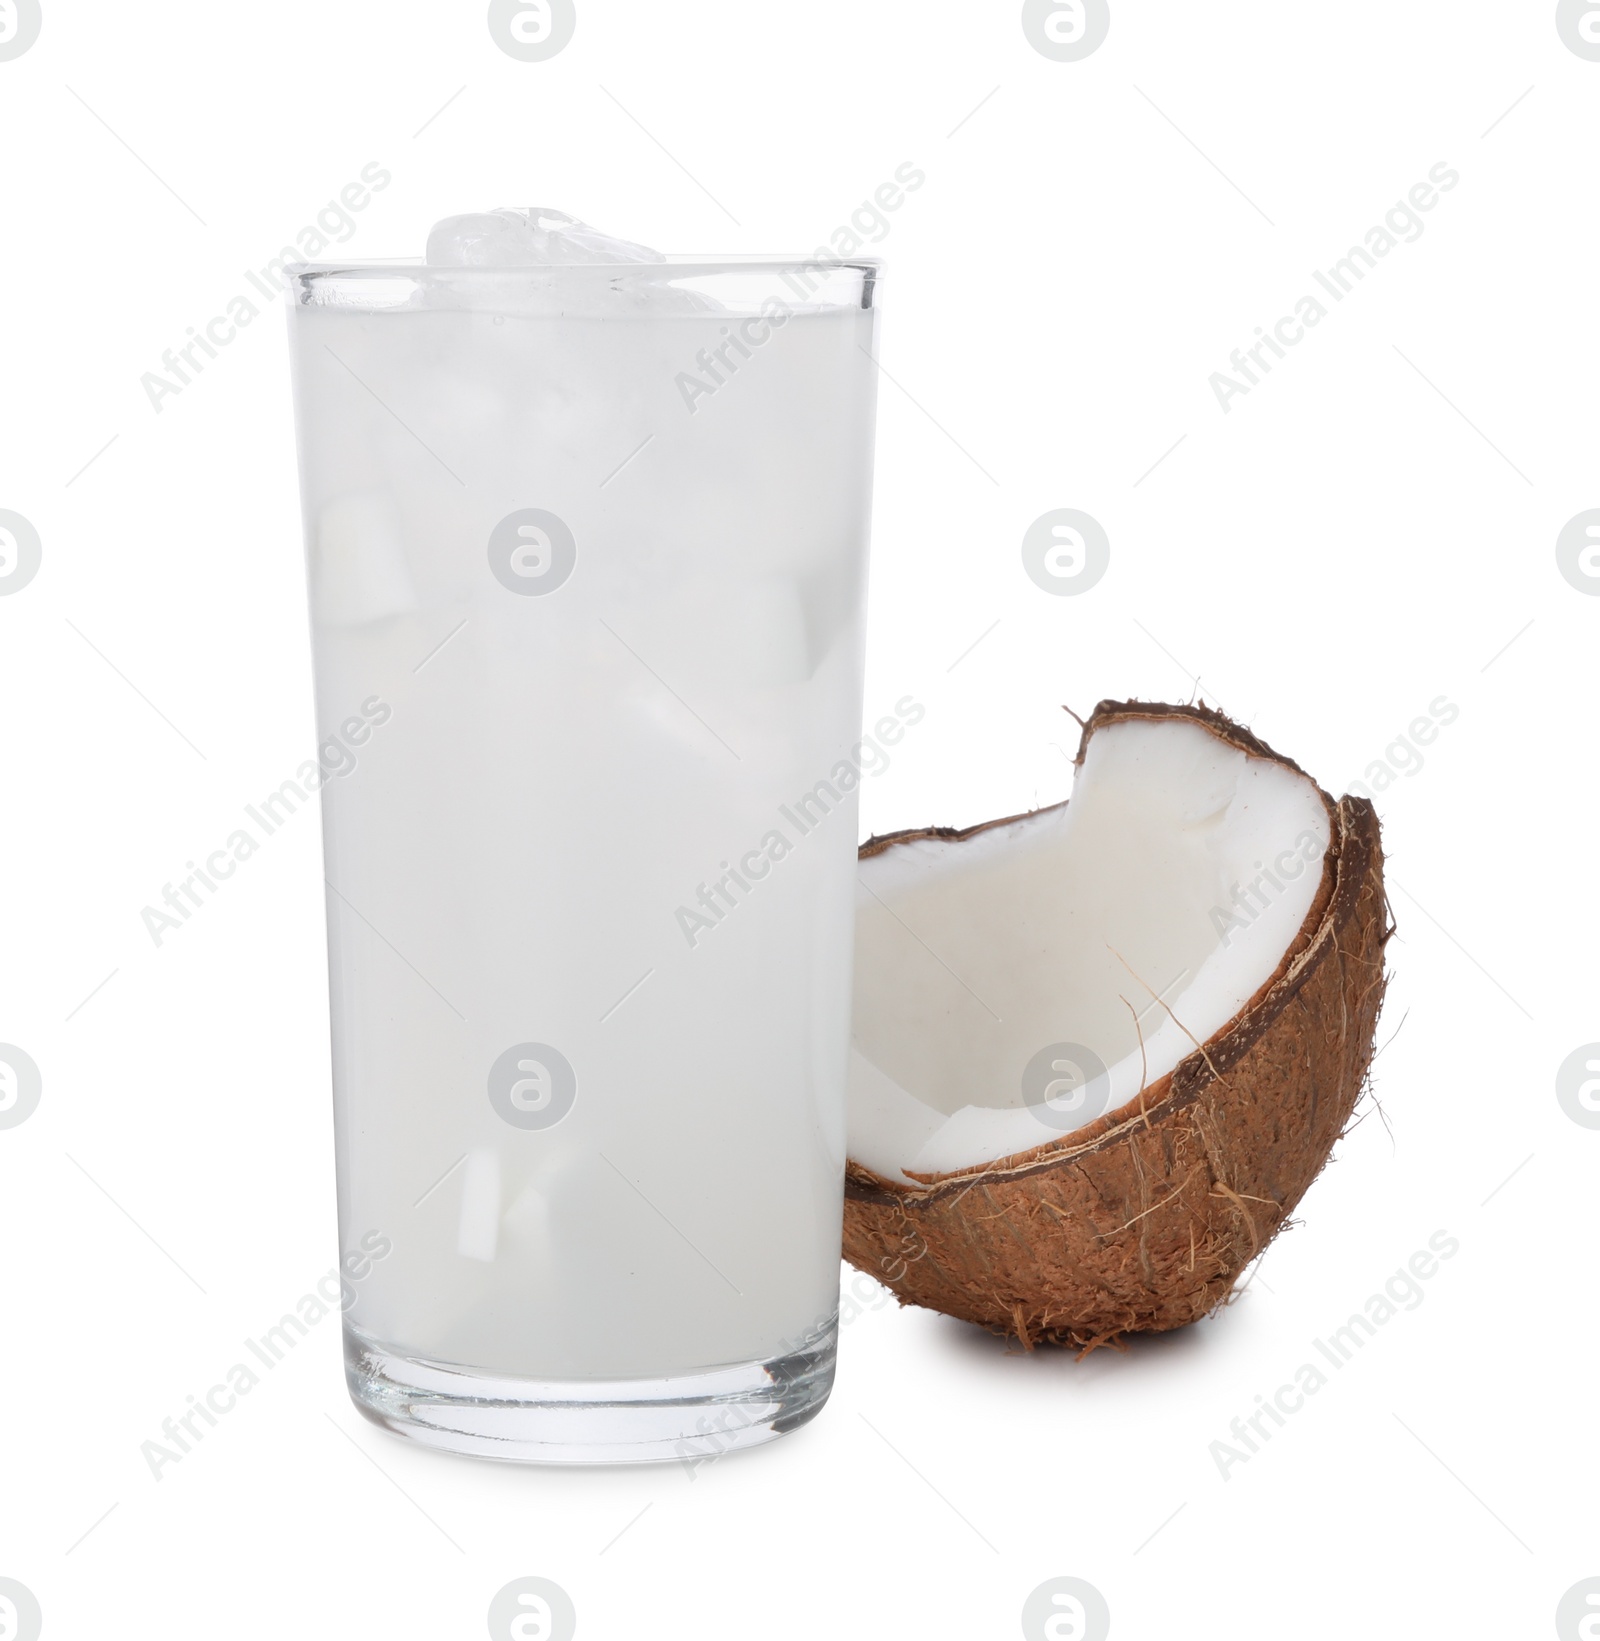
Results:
<point x="689" y="1418"/>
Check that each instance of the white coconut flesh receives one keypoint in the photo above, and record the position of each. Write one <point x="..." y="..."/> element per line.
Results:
<point x="1133" y="922"/>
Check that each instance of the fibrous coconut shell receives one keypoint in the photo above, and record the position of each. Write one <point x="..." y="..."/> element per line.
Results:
<point x="1143" y="1220"/>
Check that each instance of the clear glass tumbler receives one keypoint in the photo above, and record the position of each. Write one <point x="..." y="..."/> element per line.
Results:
<point x="587" y="554"/>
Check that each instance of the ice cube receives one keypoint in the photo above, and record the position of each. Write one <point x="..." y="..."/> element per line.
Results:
<point x="530" y="237"/>
<point x="478" y="1233"/>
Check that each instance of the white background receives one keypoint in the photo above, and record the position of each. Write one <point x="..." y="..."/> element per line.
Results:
<point x="1366" y="531"/>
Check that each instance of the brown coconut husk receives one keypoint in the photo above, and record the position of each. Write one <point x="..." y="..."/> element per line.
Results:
<point x="1143" y="1220"/>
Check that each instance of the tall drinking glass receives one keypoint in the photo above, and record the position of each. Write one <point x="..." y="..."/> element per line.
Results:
<point x="586" y="552"/>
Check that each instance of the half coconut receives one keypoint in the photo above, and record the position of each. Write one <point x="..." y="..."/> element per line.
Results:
<point x="1101" y="1050"/>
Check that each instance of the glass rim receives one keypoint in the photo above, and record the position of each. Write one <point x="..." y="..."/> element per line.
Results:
<point x="591" y="289"/>
<point x="408" y="267"/>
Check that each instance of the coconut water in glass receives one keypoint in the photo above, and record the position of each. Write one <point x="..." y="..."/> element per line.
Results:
<point x="586" y="552"/>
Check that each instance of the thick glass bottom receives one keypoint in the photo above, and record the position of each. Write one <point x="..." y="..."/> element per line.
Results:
<point x="689" y="1418"/>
